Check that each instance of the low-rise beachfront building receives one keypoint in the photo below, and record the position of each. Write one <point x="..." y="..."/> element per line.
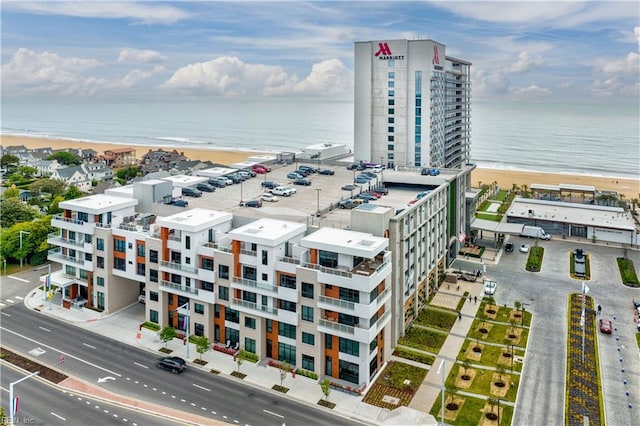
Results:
<point x="119" y="157"/>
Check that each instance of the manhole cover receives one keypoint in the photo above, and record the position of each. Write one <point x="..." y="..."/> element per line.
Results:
<point x="37" y="351"/>
<point x="391" y="399"/>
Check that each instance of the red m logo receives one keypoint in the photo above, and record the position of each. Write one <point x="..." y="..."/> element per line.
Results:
<point x="436" y="55"/>
<point x="383" y="49"/>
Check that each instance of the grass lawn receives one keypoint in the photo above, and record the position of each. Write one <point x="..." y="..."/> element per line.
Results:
<point x="436" y="319"/>
<point x="502" y="195"/>
<point x="426" y="340"/>
<point x="496" y="217"/>
<point x="497" y="333"/>
<point x="471" y="412"/>
<point x="504" y="313"/>
<point x="398" y="380"/>
<point x="481" y="384"/>
<point x="491" y="355"/>
<point x="414" y="355"/>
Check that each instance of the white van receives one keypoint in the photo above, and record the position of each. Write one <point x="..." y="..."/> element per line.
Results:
<point x="282" y="191"/>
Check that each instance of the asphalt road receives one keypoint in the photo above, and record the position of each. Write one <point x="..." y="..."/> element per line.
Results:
<point x="542" y="390"/>
<point x="42" y="404"/>
<point x="129" y="371"/>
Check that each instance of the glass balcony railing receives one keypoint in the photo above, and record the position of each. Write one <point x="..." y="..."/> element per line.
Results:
<point x="254" y="306"/>
<point x="178" y="267"/>
<point x="174" y="286"/>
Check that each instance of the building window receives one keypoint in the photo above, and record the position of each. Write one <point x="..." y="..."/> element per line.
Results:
<point x="153" y="256"/>
<point x="83" y="216"/>
<point x="390" y="129"/>
<point x="250" y="323"/>
<point x="288" y="306"/>
<point x="198" y="329"/>
<point x="100" y="281"/>
<point x="391" y="93"/>
<point x="232" y="315"/>
<point x="287" y="353"/>
<point x="119" y="246"/>
<point x="390" y="147"/>
<point x="391" y="102"/>
<point x="265" y="257"/>
<point x="198" y="308"/>
<point x="269" y="326"/>
<point x="207" y="264"/>
<point x="307" y="313"/>
<point x="390" y="138"/>
<point x="350" y="347"/>
<point x="153" y="316"/>
<point x="391" y="83"/>
<point x="140" y="269"/>
<point x="308" y="338"/>
<point x="307" y="290"/>
<point x="349" y="371"/>
<point x="287" y="281"/>
<point x="265" y="277"/>
<point x="328" y="341"/>
<point x="349" y="295"/>
<point x="391" y="111"/>
<point x="287" y="330"/>
<point x="250" y="345"/>
<point x="207" y="286"/>
<point x="328" y="259"/>
<point x="249" y="273"/>
<point x="140" y="249"/>
<point x="391" y="74"/>
<point x="119" y="264"/>
<point x="100" y="244"/>
<point x="391" y="120"/>
<point x="223" y="292"/>
<point x="216" y="310"/>
<point x="308" y="363"/>
<point x="100" y="262"/>
<point x="187" y="242"/>
<point x="223" y="272"/>
<point x="153" y="296"/>
<point x="100" y="300"/>
<point x="153" y="275"/>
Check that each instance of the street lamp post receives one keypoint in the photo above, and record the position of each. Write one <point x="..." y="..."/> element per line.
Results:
<point x="4" y="262"/>
<point x="185" y="308"/>
<point x="241" y="191"/>
<point x="13" y="404"/>
<point x="318" y="193"/>
<point x="22" y="232"/>
<point x="511" y="362"/>
<point x="47" y="284"/>
<point x="442" y="367"/>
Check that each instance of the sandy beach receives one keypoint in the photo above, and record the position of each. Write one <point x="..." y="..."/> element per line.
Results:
<point x="505" y="178"/>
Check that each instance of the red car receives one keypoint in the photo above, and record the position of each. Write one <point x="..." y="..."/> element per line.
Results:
<point x="260" y="166"/>
<point x="605" y="326"/>
<point x="259" y="170"/>
<point x="375" y="194"/>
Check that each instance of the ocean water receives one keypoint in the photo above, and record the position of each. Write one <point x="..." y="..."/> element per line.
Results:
<point x="598" y="140"/>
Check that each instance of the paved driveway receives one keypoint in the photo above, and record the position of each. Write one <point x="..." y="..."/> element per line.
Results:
<point x="541" y="396"/>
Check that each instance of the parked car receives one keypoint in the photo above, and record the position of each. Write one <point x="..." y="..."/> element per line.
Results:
<point x="605" y="326"/>
<point x="269" y="184"/>
<point x="363" y="176"/>
<point x="141" y="298"/>
<point x="290" y="188"/>
<point x="302" y="172"/>
<point x="327" y="172"/>
<point x="282" y="191"/>
<point x="350" y="187"/>
<point x="361" y="180"/>
<point x="246" y="174"/>
<point x="354" y="166"/>
<point x="422" y="194"/>
<point x="260" y="166"/>
<point x="309" y="169"/>
<point x="191" y="192"/>
<point x="377" y="169"/>
<point x="524" y="248"/>
<point x="490" y="288"/>
<point x="251" y="203"/>
<point x="260" y="170"/>
<point x="381" y="190"/>
<point x="375" y="194"/>
<point x="294" y="175"/>
<point x="346" y="204"/>
<point x="174" y="364"/>
<point x="179" y="203"/>
<point x="304" y="182"/>
<point x="235" y="178"/>
<point x="508" y="247"/>
<point x="367" y="197"/>
<point x="205" y="187"/>
<point x="269" y="197"/>
<point x="223" y="179"/>
<point x="430" y="172"/>
<point x="370" y="174"/>
<point x="217" y="183"/>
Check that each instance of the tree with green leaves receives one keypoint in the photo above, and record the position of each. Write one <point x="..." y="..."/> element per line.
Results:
<point x="47" y="186"/>
<point x="13" y="211"/>
<point x="127" y="173"/>
<point x="202" y="345"/>
<point x="12" y="192"/>
<point x="240" y="359"/>
<point x="167" y="334"/>
<point x="466" y="365"/>
<point x="284" y="369"/>
<point x="54" y="206"/>
<point x="9" y="160"/>
<point x="66" y="158"/>
<point x="27" y="171"/>
<point x="72" y="193"/>
<point x="325" y="385"/>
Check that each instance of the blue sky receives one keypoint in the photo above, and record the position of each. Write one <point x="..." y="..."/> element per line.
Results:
<point x="541" y="51"/>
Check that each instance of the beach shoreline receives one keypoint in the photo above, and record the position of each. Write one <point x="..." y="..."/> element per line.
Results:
<point x="505" y="178"/>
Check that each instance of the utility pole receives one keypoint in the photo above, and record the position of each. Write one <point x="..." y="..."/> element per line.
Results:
<point x="22" y="232"/>
<point x="318" y="210"/>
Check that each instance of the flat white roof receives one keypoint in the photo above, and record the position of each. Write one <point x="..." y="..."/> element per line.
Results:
<point x="215" y="171"/>
<point x="545" y="187"/>
<point x="98" y="204"/>
<point x="181" y="181"/>
<point x="242" y="165"/>
<point x="194" y="220"/>
<point x="120" y="191"/>
<point x="268" y="232"/>
<point x="261" y="158"/>
<point x="347" y="242"/>
<point x="374" y="208"/>
<point x="579" y="214"/>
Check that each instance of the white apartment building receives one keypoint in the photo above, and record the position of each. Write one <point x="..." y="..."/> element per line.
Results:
<point x="412" y="104"/>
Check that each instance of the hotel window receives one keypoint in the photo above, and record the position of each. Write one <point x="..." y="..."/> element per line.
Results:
<point x="140" y="249"/>
<point x="250" y="345"/>
<point x="391" y="111"/>
<point x="391" y="74"/>
<point x="223" y="292"/>
<point x="287" y="330"/>
<point x="100" y="244"/>
<point x="390" y="138"/>
<point x="153" y="316"/>
<point x="153" y="296"/>
<point x="391" y="93"/>
<point x="287" y="281"/>
<point x="119" y="246"/>
<point x="391" y="83"/>
<point x="265" y="257"/>
<point x="153" y="256"/>
<point x="250" y="323"/>
<point x="390" y="147"/>
<point x="391" y="102"/>
<point x="307" y="290"/>
<point x="100" y="281"/>
<point x="119" y="264"/>
<point x="391" y="63"/>
<point x="198" y="308"/>
<point x="198" y="329"/>
<point x="391" y="120"/>
<point x="308" y="338"/>
<point x="307" y="313"/>
<point x="308" y="363"/>
<point x="390" y="129"/>
<point x="153" y="275"/>
<point x="418" y="121"/>
<point x="223" y="272"/>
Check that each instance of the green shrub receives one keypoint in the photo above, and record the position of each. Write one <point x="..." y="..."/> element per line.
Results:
<point x="426" y="340"/>
<point x="437" y="319"/>
<point x="151" y="326"/>
<point x="534" y="261"/>
<point x="305" y="373"/>
<point x="628" y="272"/>
<point x="414" y="356"/>
<point x="249" y="356"/>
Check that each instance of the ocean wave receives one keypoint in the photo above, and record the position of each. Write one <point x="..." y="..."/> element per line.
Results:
<point x="582" y="172"/>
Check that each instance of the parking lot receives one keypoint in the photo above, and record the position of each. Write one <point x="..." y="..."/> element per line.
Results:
<point x="542" y="393"/>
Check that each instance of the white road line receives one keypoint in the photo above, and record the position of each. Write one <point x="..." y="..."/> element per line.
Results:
<point x="4" y="313"/>
<point x="9" y="301"/>
<point x="19" y="298"/>
<point x="200" y="387"/>
<point x="88" y="345"/>
<point x="6" y="390"/>
<point x="2" y="304"/>
<point x="19" y="279"/>
<point x="60" y="417"/>
<point x="140" y="365"/>
<point x="273" y="414"/>
<point x="45" y="329"/>
<point x="60" y="352"/>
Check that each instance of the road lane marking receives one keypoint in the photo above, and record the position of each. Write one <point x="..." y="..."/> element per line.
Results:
<point x="140" y="365"/>
<point x="60" y="352"/>
<point x="6" y="390"/>
<point x="89" y="346"/>
<point x="60" y="417"/>
<point x="200" y="387"/>
<point x="9" y="301"/>
<point x="45" y="329"/>
<point x="2" y="304"/>
<point x="19" y="298"/>
<point x="4" y="313"/>
<point x="19" y="279"/>
<point x="273" y="414"/>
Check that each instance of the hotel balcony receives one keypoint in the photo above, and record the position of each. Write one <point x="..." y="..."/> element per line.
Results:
<point x="190" y="292"/>
<point x="358" y="333"/>
<point x="254" y="309"/>
<point x="206" y="275"/>
<point x="174" y="242"/>
<point x="253" y="286"/>
<point x="57" y="240"/>
<point x="364" y="277"/>
<point x="174" y="267"/>
<point x="57" y="256"/>
<point x="287" y="264"/>
<point x="206" y="249"/>
<point x="356" y="309"/>
<point x="72" y="224"/>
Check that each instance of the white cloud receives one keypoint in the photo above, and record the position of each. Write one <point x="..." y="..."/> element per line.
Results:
<point x="630" y="65"/>
<point x="129" y="54"/>
<point x="144" y="13"/>
<point x="525" y="63"/>
<point x="531" y="93"/>
<point x="229" y="76"/>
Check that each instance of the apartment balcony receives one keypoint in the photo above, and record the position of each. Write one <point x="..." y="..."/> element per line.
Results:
<point x="174" y="242"/>
<point x="57" y="256"/>
<point x="254" y="309"/>
<point x="58" y="240"/>
<point x="288" y="294"/>
<point x="287" y="264"/>
<point x="356" y="309"/>
<point x="190" y="292"/>
<point x="364" y="277"/>
<point x="206" y="249"/>
<point x="206" y="275"/>
<point x="173" y="267"/>
<point x="72" y="224"/>
<point x="254" y="286"/>
<point x="287" y="317"/>
<point x="356" y="332"/>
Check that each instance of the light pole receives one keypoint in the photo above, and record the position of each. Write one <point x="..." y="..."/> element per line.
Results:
<point x="241" y="192"/>
<point x="442" y="367"/>
<point x="47" y="283"/>
<point x="318" y="192"/>
<point x="522" y="320"/>
<point x="14" y="404"/>
<point x="511" y="365"/>
<point x="498" y="410"/>
<point x="4" y="262"/>
<point x="184" y="310"/>
<point x="22" y="232"/>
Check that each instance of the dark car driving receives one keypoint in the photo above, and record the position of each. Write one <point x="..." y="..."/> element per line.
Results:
<point x="172" y="363"/>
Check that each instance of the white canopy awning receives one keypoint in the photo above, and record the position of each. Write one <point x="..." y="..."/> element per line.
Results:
<point x="497" y="227"/>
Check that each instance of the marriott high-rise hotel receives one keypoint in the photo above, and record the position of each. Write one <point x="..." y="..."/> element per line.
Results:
<point x="412" y="104"/>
